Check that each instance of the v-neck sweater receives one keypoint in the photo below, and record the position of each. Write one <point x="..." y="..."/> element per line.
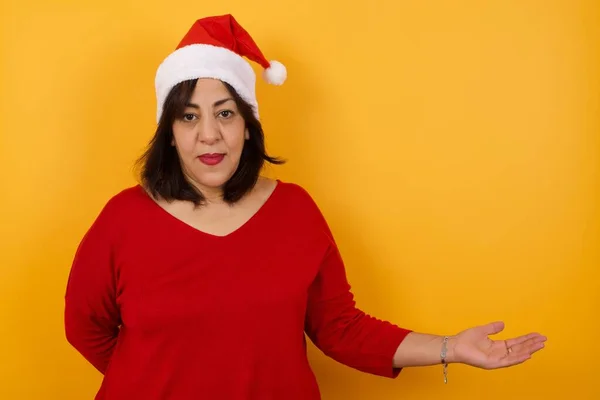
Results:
<point x="166" y="311"/>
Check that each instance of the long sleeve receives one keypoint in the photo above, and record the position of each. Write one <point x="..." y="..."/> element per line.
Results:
<point x="344" y="332"/>
<point x="91" y="314"/>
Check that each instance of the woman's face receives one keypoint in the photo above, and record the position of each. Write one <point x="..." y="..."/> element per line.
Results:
<point x="209" y="136"/>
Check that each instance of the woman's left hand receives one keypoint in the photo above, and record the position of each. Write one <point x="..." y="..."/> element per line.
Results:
<point x="473" y="347"/>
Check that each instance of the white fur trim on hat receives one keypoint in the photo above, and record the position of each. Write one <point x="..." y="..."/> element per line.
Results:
<point x="205" y="61"/>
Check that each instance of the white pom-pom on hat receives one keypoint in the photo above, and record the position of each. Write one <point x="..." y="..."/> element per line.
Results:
<point x="276" y="73"/>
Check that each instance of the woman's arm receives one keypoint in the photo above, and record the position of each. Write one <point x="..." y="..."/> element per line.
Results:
<point x="91" y="314"/>
<point x="356" y="339"/>
<point x="422" y="349"/>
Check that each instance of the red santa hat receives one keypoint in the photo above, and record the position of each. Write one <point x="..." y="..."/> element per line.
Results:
<point x="215" y="47"/>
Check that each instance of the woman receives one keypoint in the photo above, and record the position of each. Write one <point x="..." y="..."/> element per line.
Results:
<point x="202" y="281"/>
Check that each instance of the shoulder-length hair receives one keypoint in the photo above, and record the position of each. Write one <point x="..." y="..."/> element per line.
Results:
<point x="161" y="173"/>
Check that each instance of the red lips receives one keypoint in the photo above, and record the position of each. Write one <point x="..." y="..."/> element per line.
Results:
<point x="211" y="158"/>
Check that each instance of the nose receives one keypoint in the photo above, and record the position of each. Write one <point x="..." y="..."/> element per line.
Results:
<point x="208" y="131"/>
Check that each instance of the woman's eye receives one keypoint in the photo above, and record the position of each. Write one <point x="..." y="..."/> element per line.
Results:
<point x="188" y="117"/>
<point x="225" y="113"/>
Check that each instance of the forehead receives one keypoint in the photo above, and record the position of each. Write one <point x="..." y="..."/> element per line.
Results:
<point x="209" y="90"/>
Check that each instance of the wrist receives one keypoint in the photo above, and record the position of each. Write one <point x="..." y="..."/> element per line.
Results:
<point x="451" y="354"/>
<point x="447" y="353"/>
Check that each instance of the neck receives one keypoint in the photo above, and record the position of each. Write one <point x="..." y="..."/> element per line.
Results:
<point x="212" y="196"/>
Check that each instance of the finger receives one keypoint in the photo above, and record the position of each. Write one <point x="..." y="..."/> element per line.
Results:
<point x="493" y="327"/>
<point x="529" y="346"/>
<point x="524" y="338"/>
<point x="518" y="355"/>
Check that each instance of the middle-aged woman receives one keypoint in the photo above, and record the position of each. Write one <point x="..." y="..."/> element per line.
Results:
<point x="202" y="281"/>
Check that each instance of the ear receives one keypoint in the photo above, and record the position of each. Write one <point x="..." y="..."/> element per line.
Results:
<point x="247" y="134"/>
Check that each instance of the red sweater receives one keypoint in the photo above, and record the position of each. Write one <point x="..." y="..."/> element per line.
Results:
<point x="165" y="311"/>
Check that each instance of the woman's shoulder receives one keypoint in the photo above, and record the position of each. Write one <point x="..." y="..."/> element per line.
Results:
<point x="297" y="199"/>
<point x="301" y="209"/>
<point x="124" y="201"/>
<point x="115" y="213"/>
<point x="127" y="196"/>
<point x="295" y="194"/>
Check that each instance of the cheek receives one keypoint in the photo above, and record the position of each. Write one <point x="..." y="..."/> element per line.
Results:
<point x="235" y="141"/>
<point x="184" y="142"/>
<point x="236" y="146"/>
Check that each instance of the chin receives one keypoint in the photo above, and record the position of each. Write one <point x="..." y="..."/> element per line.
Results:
<point x="214" y="181"/>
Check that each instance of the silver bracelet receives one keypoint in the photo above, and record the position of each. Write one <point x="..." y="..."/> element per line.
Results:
<point x="443" y="357"/>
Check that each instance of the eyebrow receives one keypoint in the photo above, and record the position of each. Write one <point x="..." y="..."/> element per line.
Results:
<point x="215" y="104"/>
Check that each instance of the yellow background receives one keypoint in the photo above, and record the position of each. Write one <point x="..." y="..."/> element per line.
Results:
<point x="454" y="147"/>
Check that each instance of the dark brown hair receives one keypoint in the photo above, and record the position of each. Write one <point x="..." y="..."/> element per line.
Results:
<point x="161" y="172"/>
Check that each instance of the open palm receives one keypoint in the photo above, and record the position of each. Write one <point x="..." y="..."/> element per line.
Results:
<point x="473" y="347"/>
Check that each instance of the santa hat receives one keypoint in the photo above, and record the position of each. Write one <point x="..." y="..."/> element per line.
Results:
<point x="215" y="47"/>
